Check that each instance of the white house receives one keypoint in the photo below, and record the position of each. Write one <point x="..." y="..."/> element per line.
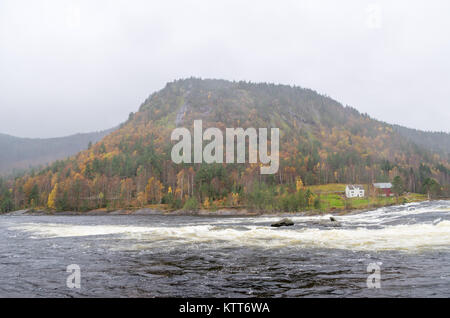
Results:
<point x="354" y="191"/>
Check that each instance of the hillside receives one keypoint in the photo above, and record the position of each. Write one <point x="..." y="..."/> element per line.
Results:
<point x="22" y="153"/>
<point x="321" y="142"/>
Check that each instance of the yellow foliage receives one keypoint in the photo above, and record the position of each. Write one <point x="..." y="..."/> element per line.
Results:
<point x="234" y="198"/>
<point x="311" y="200"/>
<point x="299" y="184"/>
<point x="206" y="203"/>
<point x="51" y="203"/>
<point x="28" y="186"/>
<point x="141" y="198"/>
<point x="154" y="190"/>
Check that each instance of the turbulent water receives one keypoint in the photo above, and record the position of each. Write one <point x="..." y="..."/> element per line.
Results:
<point x="179" y="256"/>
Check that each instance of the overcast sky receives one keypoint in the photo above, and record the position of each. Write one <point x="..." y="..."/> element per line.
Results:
<point x="79" y="66"/>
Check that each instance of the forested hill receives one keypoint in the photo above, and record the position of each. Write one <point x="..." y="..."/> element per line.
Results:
<point x="321" y="142"/>
<point x="434" y="141"/>
<point x="22" y="153"/>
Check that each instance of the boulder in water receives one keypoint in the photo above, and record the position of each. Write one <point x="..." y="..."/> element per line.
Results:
<point x="437" y="221"/>
<point x="332" y="222"/>
<point x="283" y="222"/>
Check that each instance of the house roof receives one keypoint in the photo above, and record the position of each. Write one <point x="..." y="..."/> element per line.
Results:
<point x="355" y="187"/>
<point x="386" y="185"/>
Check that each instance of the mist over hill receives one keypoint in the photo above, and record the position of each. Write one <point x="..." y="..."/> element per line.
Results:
<point x="434" y="141"/>
<point x="321" y="142"/>
<point x="23" y="153"/>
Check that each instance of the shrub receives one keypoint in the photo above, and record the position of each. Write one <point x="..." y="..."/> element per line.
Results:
<point x="191" y="205"/>
<point x="176" y="204"/>
<point x="317" y="203"/>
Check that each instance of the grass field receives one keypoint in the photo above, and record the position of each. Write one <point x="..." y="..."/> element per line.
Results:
<point x="332" y="197"/>
<point x="331" y="187"/>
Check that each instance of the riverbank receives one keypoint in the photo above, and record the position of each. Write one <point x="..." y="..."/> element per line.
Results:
<point x="228" y="212"/>
<point x="330" y="198"/>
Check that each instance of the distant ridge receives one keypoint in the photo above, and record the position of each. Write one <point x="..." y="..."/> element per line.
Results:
<point x="434" y="141"/>
<point x="22" y="153"/>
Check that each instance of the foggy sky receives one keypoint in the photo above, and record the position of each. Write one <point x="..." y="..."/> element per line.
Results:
<point x="79" y="66"/>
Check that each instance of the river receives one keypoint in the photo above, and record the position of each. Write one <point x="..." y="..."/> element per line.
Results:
<point x="188" y="256"/>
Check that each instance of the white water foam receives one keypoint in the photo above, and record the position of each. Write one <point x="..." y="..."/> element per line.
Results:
<point x="415" y="237"/>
